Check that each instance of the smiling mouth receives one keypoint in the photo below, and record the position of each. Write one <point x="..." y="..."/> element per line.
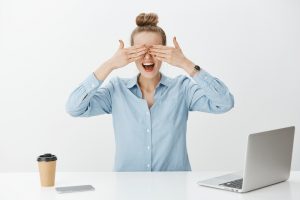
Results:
<point x="148" y="66"/>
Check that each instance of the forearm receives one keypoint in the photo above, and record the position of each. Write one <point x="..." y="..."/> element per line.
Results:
<point x="104" y="70"/>
<point x="84" y="100"/>
<point x="211" y="95"/>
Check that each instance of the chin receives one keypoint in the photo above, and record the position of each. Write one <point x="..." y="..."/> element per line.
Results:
<point x="149" y="73"/>
<point x="149" y="69"/>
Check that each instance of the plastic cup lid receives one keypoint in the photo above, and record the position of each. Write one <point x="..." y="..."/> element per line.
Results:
<point x="47" y="157"/>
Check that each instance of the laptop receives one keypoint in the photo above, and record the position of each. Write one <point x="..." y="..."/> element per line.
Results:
<point x="268" y="161"/>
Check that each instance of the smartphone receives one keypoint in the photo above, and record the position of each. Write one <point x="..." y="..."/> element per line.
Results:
<point x="77" y="188"/>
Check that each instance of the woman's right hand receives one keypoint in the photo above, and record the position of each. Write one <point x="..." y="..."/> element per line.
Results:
<point x="124" y="56"/>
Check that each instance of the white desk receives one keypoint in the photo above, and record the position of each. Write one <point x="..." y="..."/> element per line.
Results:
<point x="137" y="185"/>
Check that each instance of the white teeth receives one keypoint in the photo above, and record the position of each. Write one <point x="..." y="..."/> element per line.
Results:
<point x="148" y="63"/>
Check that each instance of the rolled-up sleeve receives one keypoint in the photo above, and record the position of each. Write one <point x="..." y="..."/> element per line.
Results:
<point x="90" y="98"/>
<point x="207" y="93"/>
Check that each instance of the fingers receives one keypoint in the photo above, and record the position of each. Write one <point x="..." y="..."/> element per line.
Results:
<point x="163" y="51"/>
<point x="159" y="54"/>
<point x="176" y="43"/>
<point x="135" y="50"/>
<point x="164" y="59"/>
<point x="142" y="52"/>
<point x="134" y="58"/>
<point x="137" y="56"/>
<point x="121" y="46"/>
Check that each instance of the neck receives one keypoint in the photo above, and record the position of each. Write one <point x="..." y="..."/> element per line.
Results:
<point x="149" y="84"/>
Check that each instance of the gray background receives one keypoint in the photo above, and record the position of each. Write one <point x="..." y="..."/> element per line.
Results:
<point x="48" y="47"/>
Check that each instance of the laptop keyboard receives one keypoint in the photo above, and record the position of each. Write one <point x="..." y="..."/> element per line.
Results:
<point x="234" y="184"/>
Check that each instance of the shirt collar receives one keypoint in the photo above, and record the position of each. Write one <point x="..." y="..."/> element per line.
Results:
<point x="163" y="81"/>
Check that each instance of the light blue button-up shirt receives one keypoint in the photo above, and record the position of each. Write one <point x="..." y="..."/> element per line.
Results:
<point x="150" y="139"/>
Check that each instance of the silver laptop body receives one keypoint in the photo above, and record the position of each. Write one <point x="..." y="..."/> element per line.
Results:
<point x="268" y="161"/>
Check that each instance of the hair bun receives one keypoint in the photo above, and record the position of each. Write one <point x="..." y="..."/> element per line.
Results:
<point x="149" y="19"/>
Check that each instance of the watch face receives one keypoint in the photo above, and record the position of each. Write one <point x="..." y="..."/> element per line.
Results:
<point x="197" y="68"/>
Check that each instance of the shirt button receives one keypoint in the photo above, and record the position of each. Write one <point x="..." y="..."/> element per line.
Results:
<point x="148" y="147"/>
<point x="148" y="165"/>
<point x="148" y="130"/>
<point x="147" y="113"/>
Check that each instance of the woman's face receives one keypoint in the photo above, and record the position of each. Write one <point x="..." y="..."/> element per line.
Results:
<point x="148" y="65"/>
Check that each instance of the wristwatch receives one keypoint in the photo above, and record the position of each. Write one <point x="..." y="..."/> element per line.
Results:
<point x="197" y="68"/>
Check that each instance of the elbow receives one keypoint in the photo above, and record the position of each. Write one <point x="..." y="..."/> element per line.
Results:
<point x="71" y="110"/>
<point x="231" y="100"/>
<point x="73" y="113"/>
<point x="226" y="106"/>
<point x="230" y="103"/>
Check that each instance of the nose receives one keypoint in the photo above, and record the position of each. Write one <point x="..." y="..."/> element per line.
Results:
<point x="147" y="54"/>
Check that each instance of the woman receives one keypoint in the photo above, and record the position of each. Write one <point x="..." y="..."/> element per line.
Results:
<point x="150" y="110"/>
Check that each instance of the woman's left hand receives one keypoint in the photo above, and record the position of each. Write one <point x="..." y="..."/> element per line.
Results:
<point x="172" y="55"/>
